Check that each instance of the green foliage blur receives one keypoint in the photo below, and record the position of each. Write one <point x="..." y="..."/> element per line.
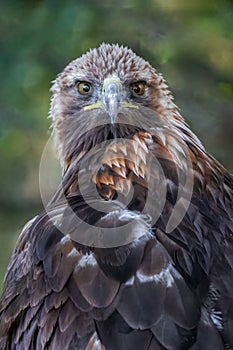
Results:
<point x="190" y="42"/>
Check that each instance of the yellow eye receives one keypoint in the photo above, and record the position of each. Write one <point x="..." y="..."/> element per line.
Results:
<point x="138" y="88"/>
<point x="84" y="88"/>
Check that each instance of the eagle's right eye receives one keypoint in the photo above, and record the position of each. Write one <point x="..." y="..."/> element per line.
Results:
<point x="84" y="88"/>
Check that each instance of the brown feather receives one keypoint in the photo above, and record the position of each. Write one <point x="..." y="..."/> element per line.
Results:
<point x="160" y="288"/>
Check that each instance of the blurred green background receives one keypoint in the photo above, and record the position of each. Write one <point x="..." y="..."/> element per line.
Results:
<point x="190" y="42"/>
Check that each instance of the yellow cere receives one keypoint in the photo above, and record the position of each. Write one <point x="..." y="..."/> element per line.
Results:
<point x="98" y="104"/>
<point x="112" y="80"/>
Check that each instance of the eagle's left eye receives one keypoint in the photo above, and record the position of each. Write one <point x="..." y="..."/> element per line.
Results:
<point x="84" y="88"/>
<point x="138" y="88"/>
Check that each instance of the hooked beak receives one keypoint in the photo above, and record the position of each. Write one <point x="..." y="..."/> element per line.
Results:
<point x="112" y="97"/>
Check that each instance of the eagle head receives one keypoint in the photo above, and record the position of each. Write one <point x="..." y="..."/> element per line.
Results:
<point x="109" y="92"/>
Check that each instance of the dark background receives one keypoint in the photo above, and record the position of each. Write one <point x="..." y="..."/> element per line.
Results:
<point x="190" y="42"/>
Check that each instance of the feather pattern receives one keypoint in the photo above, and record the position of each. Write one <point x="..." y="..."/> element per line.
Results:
<point x="164" y="286"/>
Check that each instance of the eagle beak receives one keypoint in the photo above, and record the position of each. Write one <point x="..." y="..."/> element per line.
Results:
<point x="112" y="97"/>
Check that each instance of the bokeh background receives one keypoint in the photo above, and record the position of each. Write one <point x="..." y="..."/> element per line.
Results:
<point x="190" y="42"/>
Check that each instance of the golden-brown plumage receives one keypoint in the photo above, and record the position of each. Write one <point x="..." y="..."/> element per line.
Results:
<point x="135" y="250"/>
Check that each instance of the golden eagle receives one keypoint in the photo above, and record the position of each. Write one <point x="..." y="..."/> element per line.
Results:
<point x="135" y="249"/>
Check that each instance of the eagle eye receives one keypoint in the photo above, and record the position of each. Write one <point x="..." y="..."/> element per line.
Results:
<point x="138" y="88"/>
<point x="84" y="88"/>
